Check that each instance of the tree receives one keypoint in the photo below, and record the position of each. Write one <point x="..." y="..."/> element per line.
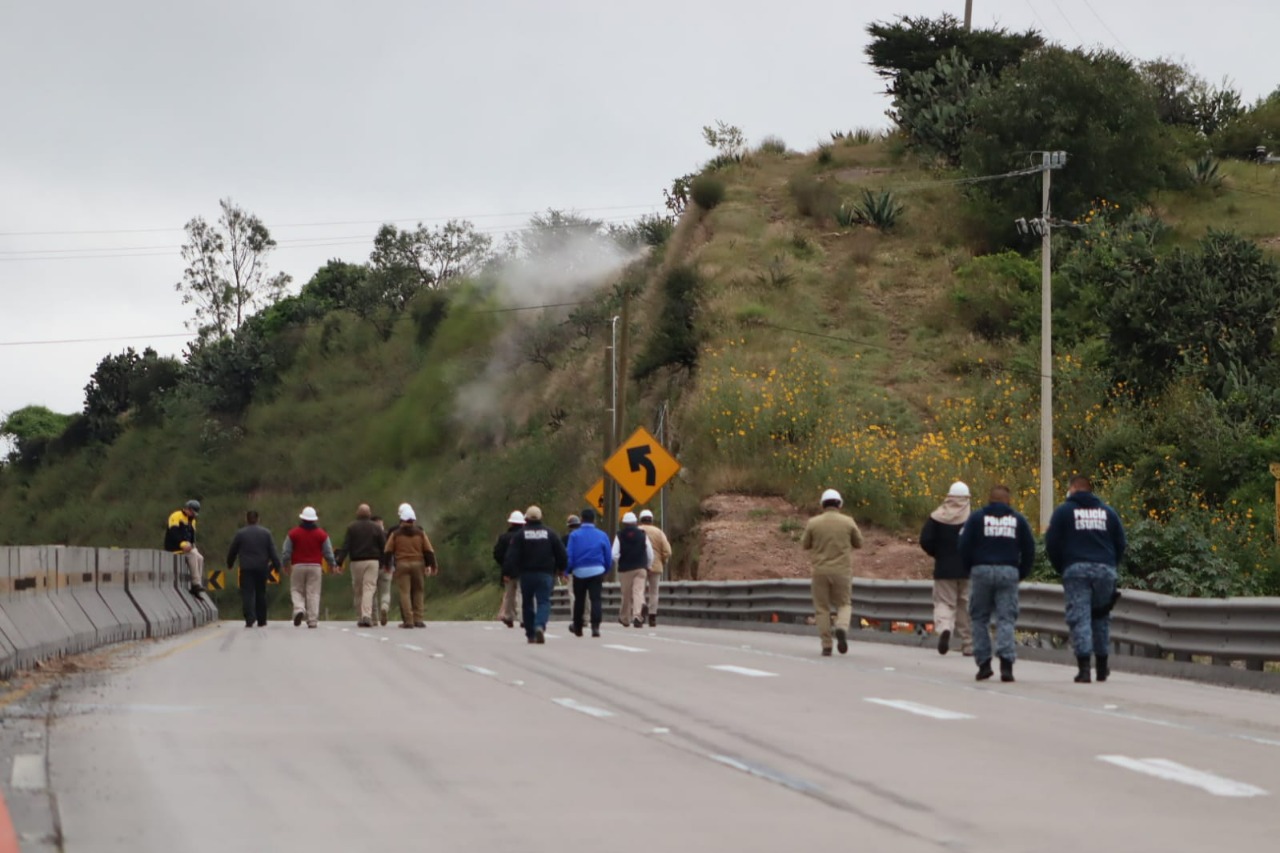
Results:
<point x="30" y="429"/>
<point x="1184" y="99"/>
<point x="910" y="45"/>
<point x="226" y="275"/>
<point x="934" y="107"/>
<point x="675" y="339"/>
<point x="729" y="142"/>
<point x="1094" y="106"/>
<point x="127" y="382"/>
<point x="431" y="257"/>
<point x="337" y="284"/>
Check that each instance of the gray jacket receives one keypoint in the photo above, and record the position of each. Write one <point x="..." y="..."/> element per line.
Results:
<point x="255" y="548"/>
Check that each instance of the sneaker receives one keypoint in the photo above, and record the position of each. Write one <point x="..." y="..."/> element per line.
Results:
<point x="382" y="618"/>
<point x="944" y="642"/>
<point x="842" y="641"/>
<point x="298" y="617"/>
<point x="653" y="621"/>
<point x="984" y="671"/>
<point x="540" y="636"/>
<point x="196" y="589"/>
<point x="637" y="623"/>
<point x="826" y="653"/>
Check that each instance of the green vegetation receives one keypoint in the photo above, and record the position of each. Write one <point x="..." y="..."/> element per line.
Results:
<point x="804" y="331"/>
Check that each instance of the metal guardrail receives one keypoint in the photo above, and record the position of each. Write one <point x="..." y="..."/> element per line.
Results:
<point x="1143" y="623"/>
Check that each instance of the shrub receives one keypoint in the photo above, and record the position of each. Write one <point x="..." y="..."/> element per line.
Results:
<point x="934" y="108"/>
<point x="995" y="296"/>
<point x="707" y="191"/>
<point x="1241" y="136"/>
<point x="814" y="198"/>
<point x="751" y="313"/>
<point x="772" y="145"/>
<point x="674" y="342"/>
<point x="1206" y="172"/>
<point x="825" y="155"/>
<point x="880" y="210"/>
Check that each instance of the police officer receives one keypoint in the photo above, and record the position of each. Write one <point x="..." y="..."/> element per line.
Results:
<point x="832" y="537"/>
<point x="1085" y="543"/>
<point x="998" y="549"/>
<point x="535" y="555"/>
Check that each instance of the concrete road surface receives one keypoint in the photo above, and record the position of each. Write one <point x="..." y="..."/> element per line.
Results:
<point x="462" y="737"/>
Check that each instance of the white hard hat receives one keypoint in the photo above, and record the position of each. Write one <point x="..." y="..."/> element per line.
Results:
<point x="516" y="517"/>
<point x="832" y="495"/>
<point x="407" y="513"/>
<point x="647" y="513"/>
<point x="629" y="518"/>
<point x="309" y="514"/>
<point x="958" y="490"/>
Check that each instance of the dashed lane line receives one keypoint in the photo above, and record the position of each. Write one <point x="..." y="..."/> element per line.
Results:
<point x="478" y="670"/>
<point x="920" y="710"/>
<point x="1171" y="771"/>
<point x="29" y="773"/>
<point x="743" y="670"/>
<point x="589" y="710"/>
<point x="623" y="648"/>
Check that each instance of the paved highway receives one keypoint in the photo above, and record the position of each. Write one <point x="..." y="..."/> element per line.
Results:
<point x="462" y="737"/>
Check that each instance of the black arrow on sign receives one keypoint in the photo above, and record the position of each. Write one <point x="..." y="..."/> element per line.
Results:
<point x="637" y="458"/>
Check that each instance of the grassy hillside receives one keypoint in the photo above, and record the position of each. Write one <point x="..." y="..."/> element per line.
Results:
<point x="826" y="355"/>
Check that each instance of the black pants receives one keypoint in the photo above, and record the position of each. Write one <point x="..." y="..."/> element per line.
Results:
<point x="582" y="587"/>
<point x="253" y="593"/>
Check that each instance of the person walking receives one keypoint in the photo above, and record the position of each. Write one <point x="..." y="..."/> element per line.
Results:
<point x="509" y="611"/>
<point x="588" y="559"/>
<point x="363" y="545"/>
<point x="998" y="549"/>
<point x="633" y="555"/>
<point x="940" y="539"/>
<point x="415" y="560"/>
<point x="256" y="550"/>
<point x="572" y="523"/>
<point x="535" y="555"/>
<point x="382" y="595"/>
<point x="661" y="554"/>
<point x="180" y="538"/>
<point x="832" y="536"/>
<point x="305" y="549"/>
<point x="1085" y="543"/>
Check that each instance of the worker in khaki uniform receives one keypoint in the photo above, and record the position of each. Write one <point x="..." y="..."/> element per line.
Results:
<point x="831" y="537"/>
<point x="363" y="546"/>
<point x="661" y="554"/>
<point x="415" y="559"/>
<point x="632" y="555"/>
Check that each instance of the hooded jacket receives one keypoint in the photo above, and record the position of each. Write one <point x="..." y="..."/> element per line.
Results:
<point x="536" y="548"/>
<point x="661" y="547"/>
<point x="500" y="547"/>
<point x="997" y="535"/>
<point x="942" y="542"/>
<point x="1084" y="530"/>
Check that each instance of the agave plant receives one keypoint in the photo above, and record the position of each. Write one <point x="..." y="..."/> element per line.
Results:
<point x="1206" y="172"/>
<point x="880" y="210"/>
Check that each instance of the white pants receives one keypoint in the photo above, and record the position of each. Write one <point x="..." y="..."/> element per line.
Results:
<point x="383" y="594"/>
<point x="304" y="589"/>
<point x="195" y="561"/>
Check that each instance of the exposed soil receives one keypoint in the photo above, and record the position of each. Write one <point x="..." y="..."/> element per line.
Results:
<point x="856" y="176"/>
<point x="743" y="537"/>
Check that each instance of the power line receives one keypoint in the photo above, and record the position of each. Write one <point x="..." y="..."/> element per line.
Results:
<point x="1058" y="6"/>
<point x="323" y="224"/>
<point x="1042" y="21"/>
<point x="1115" y="37"/>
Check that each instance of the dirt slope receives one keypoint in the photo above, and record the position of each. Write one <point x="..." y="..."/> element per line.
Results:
<point x="742" y="537"/>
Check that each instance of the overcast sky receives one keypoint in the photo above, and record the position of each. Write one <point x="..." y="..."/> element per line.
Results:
<point x="136" y="115"/>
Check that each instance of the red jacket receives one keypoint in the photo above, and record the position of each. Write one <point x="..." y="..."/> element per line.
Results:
<point x="308" y="546"/>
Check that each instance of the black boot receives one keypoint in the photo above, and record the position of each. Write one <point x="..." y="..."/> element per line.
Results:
<point x="1103" y="669"/>
<point x="1082" y="677"/>
<point x="984" y="671"/>
<point x="1006" y="669"/>
<point x="944" y="642"/>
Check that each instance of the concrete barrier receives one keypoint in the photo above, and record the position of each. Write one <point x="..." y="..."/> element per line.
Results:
<point x="166" y="582"/>
<point x="202" y="608"/>
<point x="84" y="633"/>
<point x="46" y="633"/>
<point x="77" y="583"/>
<point x="142" y="582"/>
<point x="10" y="639"/>
<point x="110" y="574"/>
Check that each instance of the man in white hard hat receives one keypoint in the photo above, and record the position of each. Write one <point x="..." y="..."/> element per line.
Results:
<point x="305" y="549"/>
<point x="632" y="555"/>
<point x="940" y="539"/>
<point x="832" y="537"/>
<point x="510" y="609"/>
<point x="661" y="554"/>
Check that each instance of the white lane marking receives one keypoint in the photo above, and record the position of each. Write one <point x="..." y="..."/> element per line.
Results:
<point x="889" y="669"/>
<point x="743" y="670"/>
<point x="28" y="773"/>
<point x="411" y="647"/>
<point x="1261" y="740"/>
<point x="763" y="772"/>
<point x="661" y="730"/>
<point x="384" y="639"/>
<point x="1172" y="771"/>
<point x="518" y="683"/>
<point x="478" y="670"/>
<point x="623" y="648"/>
<point x="551" y="636"/>
<point x="1110" y="707"/>
<point x="921" y="710"/>
<point x="589" y="710"/>
<point x="437" y="654"/>
<point x="364" y="635"/>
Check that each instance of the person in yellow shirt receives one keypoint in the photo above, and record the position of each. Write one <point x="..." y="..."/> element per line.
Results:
<point x="180" y="538"/>
<point x="832" y="537"/>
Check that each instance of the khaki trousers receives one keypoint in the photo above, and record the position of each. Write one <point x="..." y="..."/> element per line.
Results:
<point x="832" y="590"/>
<point x="653" y="582"/>
<point x="364" y="583"/>
<point x="410" y="581"/>
<point x="633" y="588"/>
<point x="511" y="605"/>
<point x="304" y="589"/>
<point x="384" y="591"/>
<point x="951" y="611"/>
<point x="195" y="561"/>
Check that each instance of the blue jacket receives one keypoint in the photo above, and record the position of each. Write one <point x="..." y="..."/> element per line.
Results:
<point x="1084" y="530"/>
<point x="589" y="546"/>
<point x="997" y="535"/>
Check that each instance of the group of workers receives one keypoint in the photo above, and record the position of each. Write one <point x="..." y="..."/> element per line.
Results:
<point x="532" y="556"/>
<point x="980" y="558"/>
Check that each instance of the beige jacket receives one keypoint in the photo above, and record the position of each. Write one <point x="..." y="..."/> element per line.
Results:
<point x="832" y="537"/>
<point x="661" y="547"/>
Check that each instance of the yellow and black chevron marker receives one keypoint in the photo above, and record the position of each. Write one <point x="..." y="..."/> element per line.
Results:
<point x="215" y="579"/>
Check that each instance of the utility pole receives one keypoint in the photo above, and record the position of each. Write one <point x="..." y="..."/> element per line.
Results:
<point x="610" y="425"/>
<point x="968" y="15"/>
<point x="1049" y="160"/>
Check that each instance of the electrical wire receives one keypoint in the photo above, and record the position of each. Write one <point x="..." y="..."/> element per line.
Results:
<point x="1114" y="37"/>
<point x="1063" y="13"/>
